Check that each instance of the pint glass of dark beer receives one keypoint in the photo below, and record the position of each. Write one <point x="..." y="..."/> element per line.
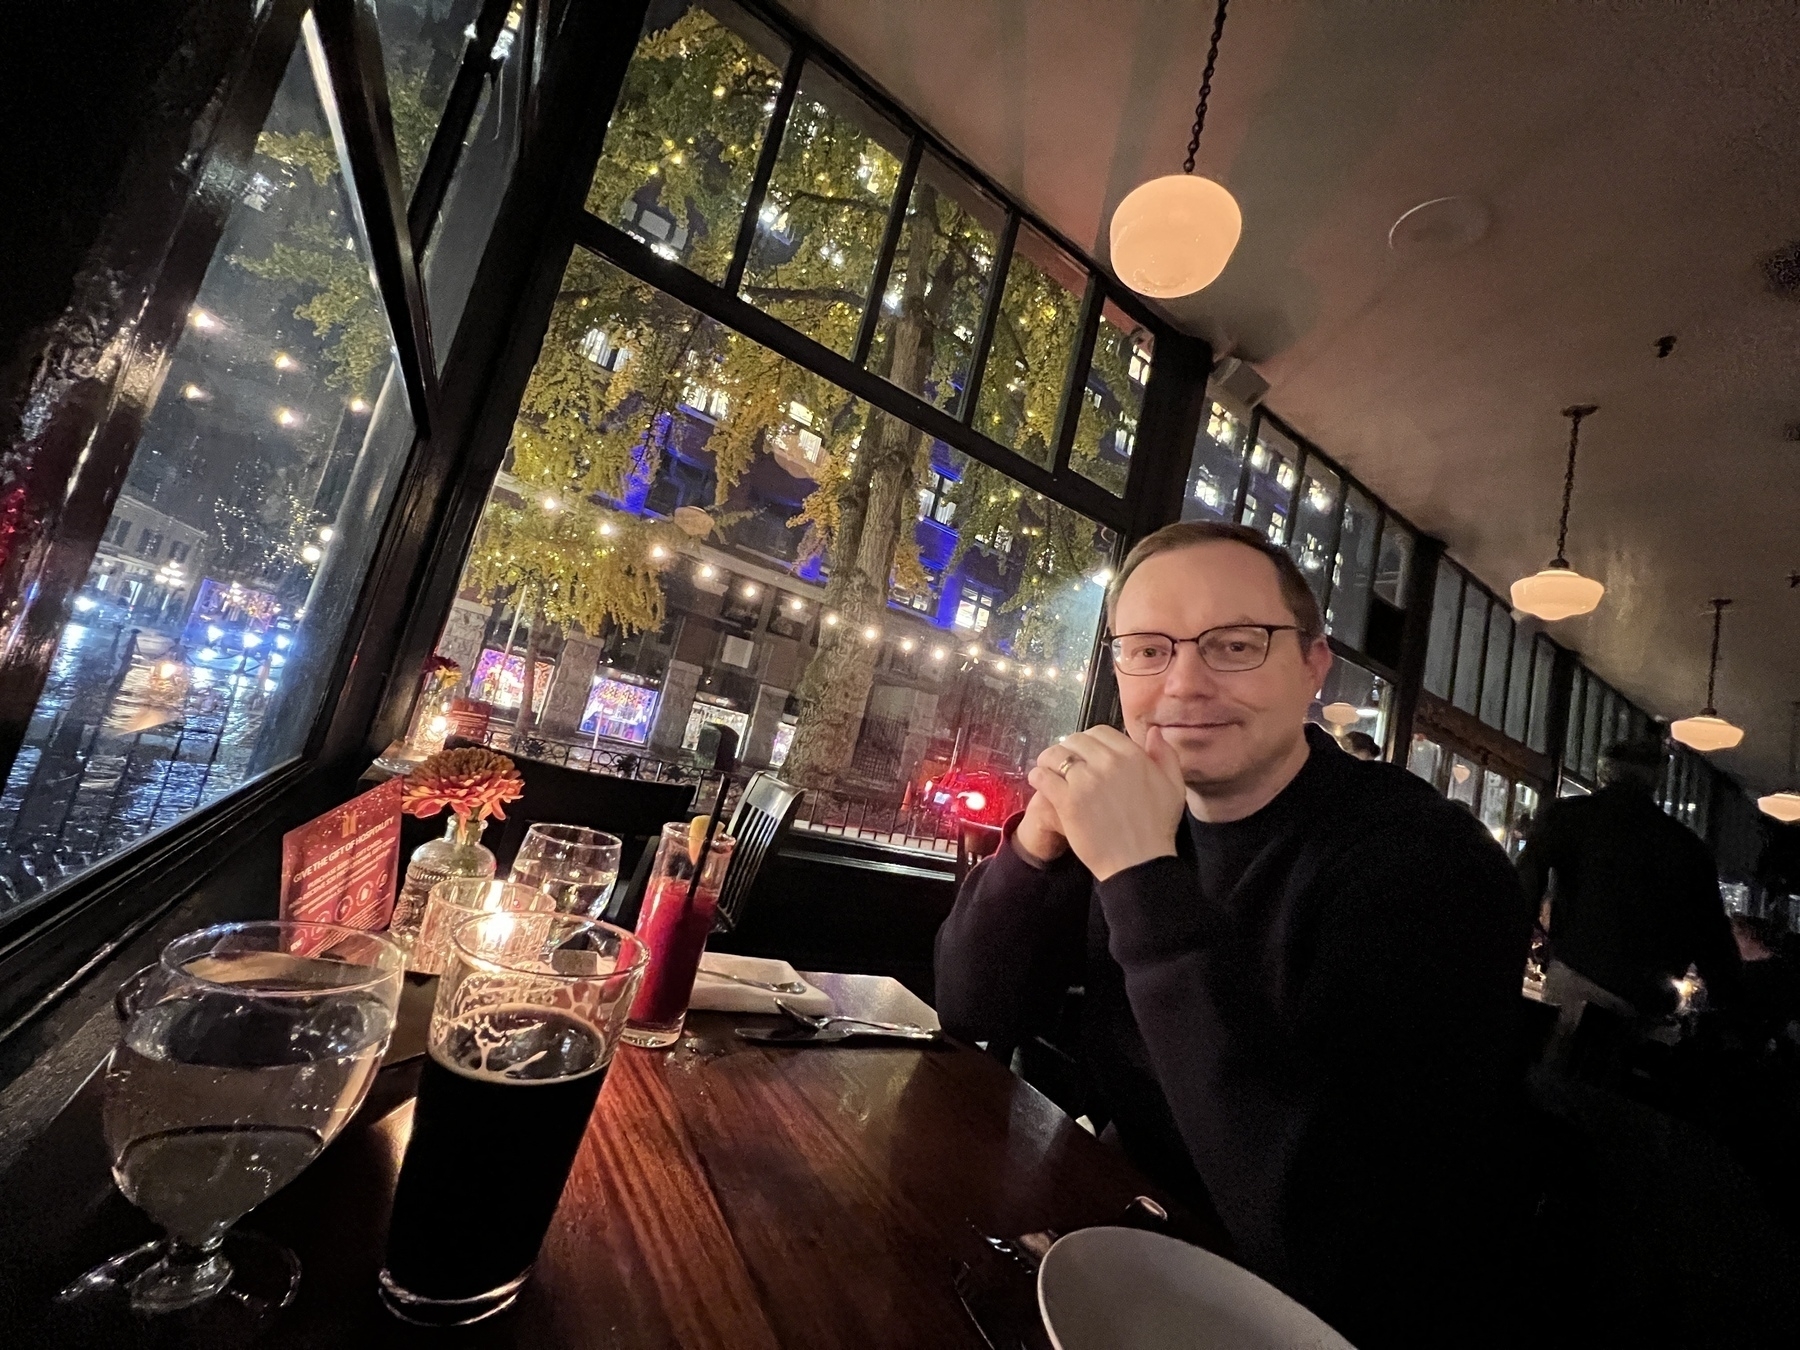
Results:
<point x="526" y="1021"/>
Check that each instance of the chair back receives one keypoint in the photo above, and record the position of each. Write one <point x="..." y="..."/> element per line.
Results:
<point x="763" y="817"/>
<point x="628" y="807"/>
<point x="973" y="843"/>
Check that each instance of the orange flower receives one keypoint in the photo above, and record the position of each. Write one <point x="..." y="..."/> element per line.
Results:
<point x="471" y="782"/>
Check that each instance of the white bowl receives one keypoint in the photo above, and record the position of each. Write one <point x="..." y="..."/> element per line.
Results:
<point x="1124" y="1289"/>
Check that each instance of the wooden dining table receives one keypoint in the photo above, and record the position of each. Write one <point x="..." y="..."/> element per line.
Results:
<point x="727" y="1194"/>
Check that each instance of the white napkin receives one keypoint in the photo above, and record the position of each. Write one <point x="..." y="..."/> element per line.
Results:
<point x="716" y="995"/>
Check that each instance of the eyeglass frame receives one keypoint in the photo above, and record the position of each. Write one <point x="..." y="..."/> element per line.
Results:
<point x="1271" y="629"/>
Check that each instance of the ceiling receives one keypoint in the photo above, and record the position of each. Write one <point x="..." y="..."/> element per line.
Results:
<point x="1634" y="163"/>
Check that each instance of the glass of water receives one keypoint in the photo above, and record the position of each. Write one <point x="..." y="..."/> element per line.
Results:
<point x="572" y="864"/>
<point x="245" y="1050"/>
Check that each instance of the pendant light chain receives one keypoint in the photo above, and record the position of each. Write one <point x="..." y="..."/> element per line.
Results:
<point x="1574" y="414"/>
<point x="1712" y="667"/>
<point x="1212" y="59"/>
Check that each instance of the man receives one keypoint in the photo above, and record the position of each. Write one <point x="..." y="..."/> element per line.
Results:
<point x="1362" y="745"/>
<point x="1636" y="895"/>
<point x="1301" y="971"/>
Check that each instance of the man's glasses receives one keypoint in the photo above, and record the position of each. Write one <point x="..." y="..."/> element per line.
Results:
<point x="1235" y="647"/>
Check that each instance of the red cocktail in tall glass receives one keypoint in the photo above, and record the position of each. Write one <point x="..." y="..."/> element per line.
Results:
<point x="673" y="924"/>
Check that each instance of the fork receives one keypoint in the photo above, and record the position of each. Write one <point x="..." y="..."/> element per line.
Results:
<point x="785" y="987"/>
<point x="821" y="1021"/>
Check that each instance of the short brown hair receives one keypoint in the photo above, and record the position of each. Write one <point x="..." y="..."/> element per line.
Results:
<point x="1295" y="593"/>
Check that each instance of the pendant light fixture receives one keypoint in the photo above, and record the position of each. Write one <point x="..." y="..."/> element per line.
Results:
<point x="1173" y="235"/>
<point x="1707" y="731"/>
<point x="1785" y="805"/>
<point x="1559" y="591"/>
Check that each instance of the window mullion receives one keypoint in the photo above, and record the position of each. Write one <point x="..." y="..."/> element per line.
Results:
<point x="1068" y="412"/>
<point x="765" y="169"/>
<point x="453" y="127"/>
<point x="890" y="244"/>
<point x="990" y="316"/>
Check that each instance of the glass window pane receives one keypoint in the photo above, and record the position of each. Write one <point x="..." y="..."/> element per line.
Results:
<point x="1496" y="797"/>
<point x="1446" y="610"/>
<point x="1216" y="466"/>
<point x="925" y="336"/>
<point x="472" y="201"/>
<point x="1518" y="687"/>
<point x="1465" y="783"/>
<point x="422" y="47"/>
<point x="1425" y="758"/>
<point x="1470" y="641"/>
<point x="205" y="635"/>
<point x="1394" y="563"/>
<point x="1315" y="525"/>
<point x="1543" y="667"/>
<point x="1274" y="473"/>
<point x="1351" y="701"/>
<point x="1499" y="662"/>
<point x="826" y="212"/>
<point x="665" y="537"/>
<point x="1353" y="568"/>
<point x="1524" y="815"/>
<point x="1590" y="729"/>
<point x="686" y="133"/>
<point x="1034" y="340"/>
<point x="1572" y="733"/>
<point x="1106" y="429"/>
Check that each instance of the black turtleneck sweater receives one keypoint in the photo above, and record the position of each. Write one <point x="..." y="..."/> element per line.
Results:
<point x="1308" y="1015"/>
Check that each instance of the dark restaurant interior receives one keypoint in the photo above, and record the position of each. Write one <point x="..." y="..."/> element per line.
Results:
<point x="635" y="518"/>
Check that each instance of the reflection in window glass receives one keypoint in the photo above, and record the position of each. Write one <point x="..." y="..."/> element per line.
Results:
<point x="668" y="519"/>
<point x="685" y="135"/>
<point x="422" y="45"/>
<point x="1274" y="473"/>
<point x="1315" y="526"/>
<point x="1394" y="563"/>
<point x="1571" y="756"/>
<point x="1470" y="640"/>
<point x="1496" y="796"/>
<point x="1543" y="663"/>
<point x="1518" y="686"/>
<point x="924" y="338"/>
<point x="1216" y="466"/>
<point x="819" y="232"/>
<point x="1106" y="430"/>
<point x="1353" y="700"/>
<point x="205" y="634"/>
<point x="1590" y="728"/>
<point x="1499" y="663"/>
<point x="1465" y="782"/>
<point x="1353" y="568"/>
<point x="472" y="201"/>
<point x="1426" y="759"/>
<point x="1034" y="340"/>
<point x="1524" y="815"/>
<point x="1446" y="609"/>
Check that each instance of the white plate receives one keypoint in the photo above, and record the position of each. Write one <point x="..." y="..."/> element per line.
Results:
<point x="1124" y="1289"/>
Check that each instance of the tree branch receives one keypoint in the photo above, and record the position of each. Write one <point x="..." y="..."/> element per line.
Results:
<point x="780" y="294"/>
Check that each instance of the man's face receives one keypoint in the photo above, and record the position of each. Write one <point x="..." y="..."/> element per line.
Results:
<point x="1227" y="726"/>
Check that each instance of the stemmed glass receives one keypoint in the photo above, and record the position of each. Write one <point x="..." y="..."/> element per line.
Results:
<point x="246" y="1049"/>
<point x="572" y="864"/>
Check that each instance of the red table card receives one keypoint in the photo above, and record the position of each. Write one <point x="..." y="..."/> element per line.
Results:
<point x="341" y="866"/>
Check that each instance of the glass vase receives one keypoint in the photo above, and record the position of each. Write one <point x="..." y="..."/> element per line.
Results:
<point x="458" y="854"/>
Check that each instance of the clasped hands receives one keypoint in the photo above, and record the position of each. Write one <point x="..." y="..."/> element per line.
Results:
<point x="1114" y="803"/>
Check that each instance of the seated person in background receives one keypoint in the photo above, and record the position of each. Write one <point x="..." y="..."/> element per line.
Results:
<point x="1302" y="972"/>
<point x="1636" y="895"/>
<point x="1771" y="984"/>
<point x="1362" y="745"/>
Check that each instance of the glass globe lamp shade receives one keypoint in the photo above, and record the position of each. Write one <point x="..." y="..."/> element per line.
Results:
<point x="1339" y="715"/>
<point x="1783" y="806"/>
<point x="1556" y="593"/>
<point x="1173" y="235"/>
<point x="1706" y="732"/>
